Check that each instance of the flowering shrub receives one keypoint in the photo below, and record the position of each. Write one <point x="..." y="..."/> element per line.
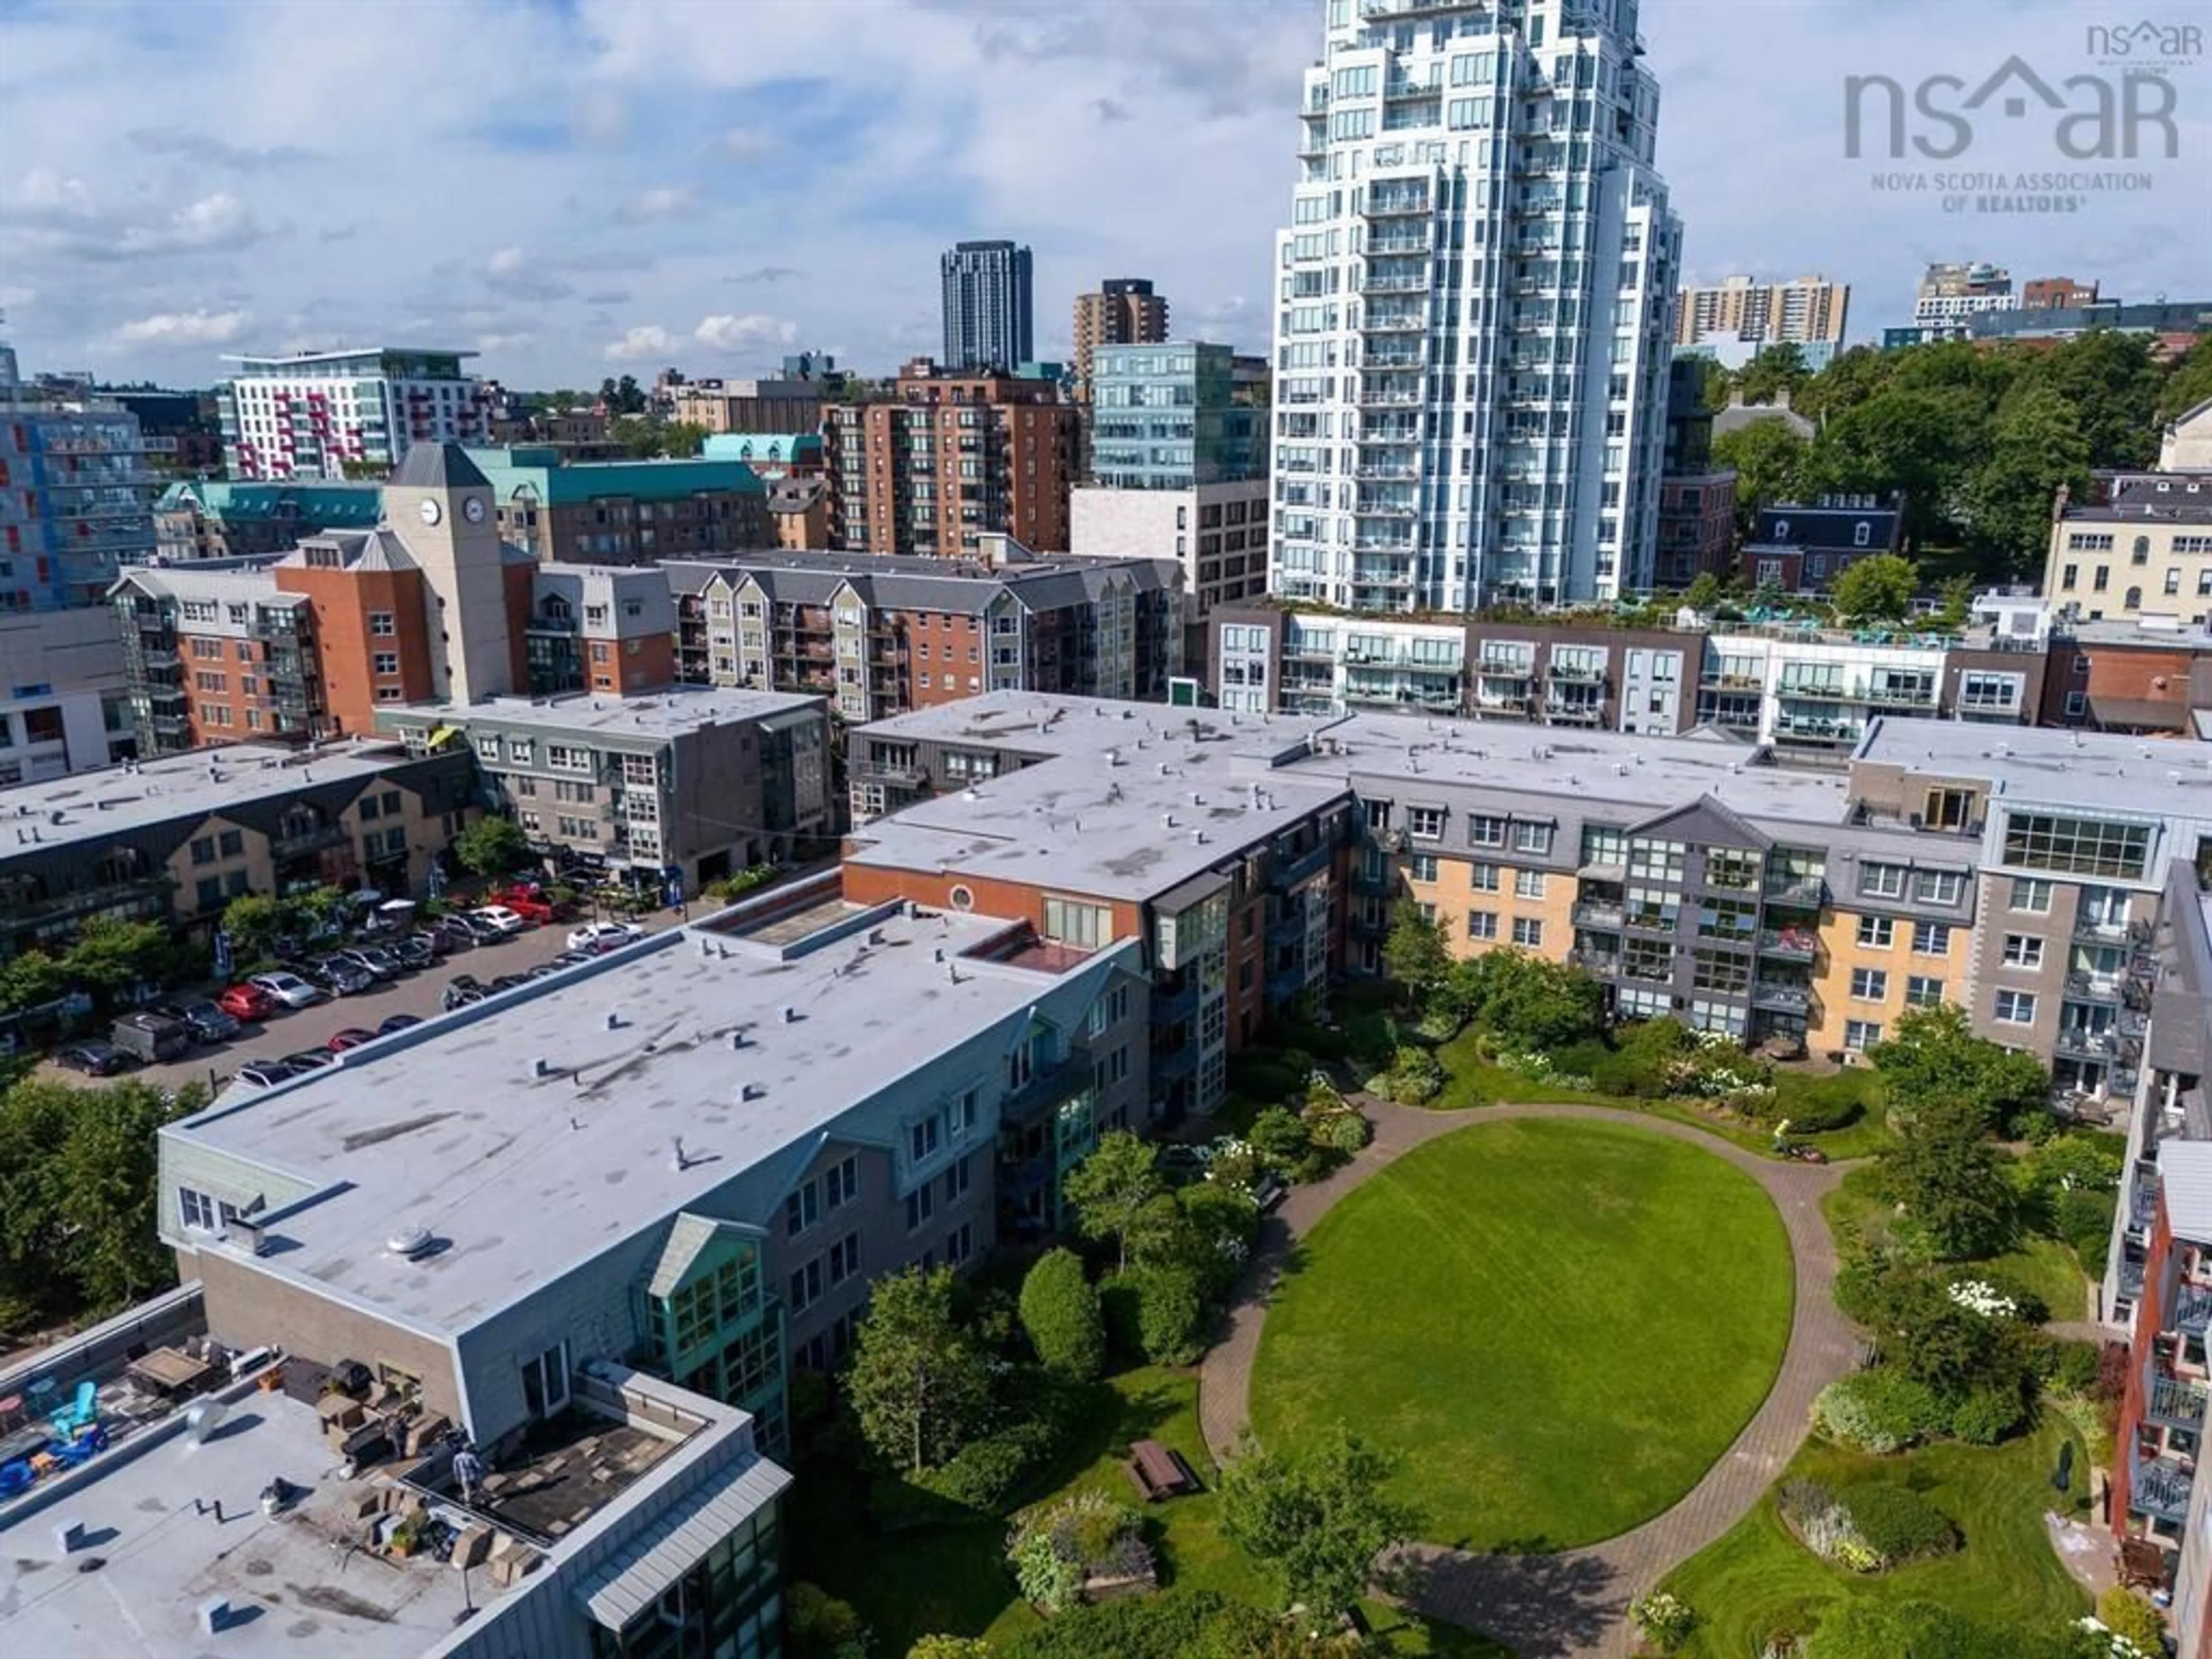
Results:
<point x="1978" y="1295"/>
<point x="1826" y="1527"/>
<point x="1880" y="1410"/>
<point x="1056" y="1550"/>
<point x="2117" y="1646"/>
<point x="1540" y="1068"/>
<point x="1664" y="1620"/>
<point x="1232" y="1162"/>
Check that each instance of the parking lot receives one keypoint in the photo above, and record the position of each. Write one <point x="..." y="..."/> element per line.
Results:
<point x="417" y="993"/>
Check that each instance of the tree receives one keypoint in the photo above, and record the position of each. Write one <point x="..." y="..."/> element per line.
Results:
<point x="1769" y="459"/>
<point x="1281" y="1137"/>
<point x="32" y="979"/>
<point x="1525" y="1004"/>
<point x="820" y="1627"/>
<point x="919" y="1382"/>
<point x="1061" y="1316"/>
<point x="2036" y="448"/>
<point x="950" y="1647"/>
<point x="1777" y="372"/>
<point x="1923" y="440"/>
<point x="255" y="921"/>
<point x="1316" y="1522"/>
<point x="1878" y="588"/>
<point x="1951" y="1179"/>
<point x="1414" y="952"/>
<point x="1704" y="592"/>
<point x="1933" y="1055"/>
<point x="2188" y="383"/>
<point x="492" y="846"/>
<point x="1111" y="1188"/>
<point x="111" y="957"/>
<point x="110" y="1182"/>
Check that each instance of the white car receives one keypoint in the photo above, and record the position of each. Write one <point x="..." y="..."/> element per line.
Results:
<point x="604" y="935"/>
<point x="499" y="916"/>
<point x="290" y="989"/>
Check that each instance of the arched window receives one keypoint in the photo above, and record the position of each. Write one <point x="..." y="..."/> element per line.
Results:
<point x="1862" y="534"/>
<point x="1782" y="530"/>
<point x="2133" y="601"/>
<point x="2140" y="555"/>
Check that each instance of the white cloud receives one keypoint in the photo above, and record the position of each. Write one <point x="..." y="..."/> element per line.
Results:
<point x="217" y="220"/>
<point x="736" y="334"/>
<point x="171" y="329"/>
<point x="661" y="202"/>
<point x="491" y="343"/>
<point x="748" y="143"/>
<point x="507" y="261"/>
<point x="640" y="343"/>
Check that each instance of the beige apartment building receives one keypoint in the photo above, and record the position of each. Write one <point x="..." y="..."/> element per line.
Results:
<point x="751" y="405"/>
<point x="2141" y="551"/>
<point x="1124" y="312"/>
<point x="1808" y="309"/>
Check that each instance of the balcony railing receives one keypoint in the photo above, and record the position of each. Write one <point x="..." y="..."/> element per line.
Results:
<point x="905" y="773"/>
<point x="1605" y="917"/>
<point x="308" y="842"/>
<point x="2159" y="1485"/>
<point x="1789" y="944"/>
<point x="2192" y="1303"/>
<point x="2174" y="1401"/>
<point x="1782" y="998"/>
<point x="1805" y="895"/>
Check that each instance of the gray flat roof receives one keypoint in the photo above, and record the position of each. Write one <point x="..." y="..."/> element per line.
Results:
<point x="1132" y="830"/>
<point x="97" y="806"/>
<point x="526" y="1174"/>
<point x="1051" y="723"/>
<point x="2185" y="1170"/>
<point x="2071" y="768"/>
<point x="668" y="713"/>
<point x="1396" y="753"/>
<point x="164" y="1558"/>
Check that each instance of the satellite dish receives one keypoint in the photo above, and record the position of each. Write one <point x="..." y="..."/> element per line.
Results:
<point x="202" y="1418"/>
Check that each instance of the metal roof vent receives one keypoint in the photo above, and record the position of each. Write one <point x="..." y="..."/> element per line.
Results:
<point x="790" y="1015"/>
<point x="409" y="1242"/>
<point x="614" y="1019"/>
<point x="541" y="1067"/>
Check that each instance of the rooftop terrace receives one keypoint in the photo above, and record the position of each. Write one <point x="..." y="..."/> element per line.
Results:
<point x="2155" y="776"/>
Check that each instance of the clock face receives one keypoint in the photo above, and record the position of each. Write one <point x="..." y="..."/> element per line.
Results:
<point x="473" y="509"/>
<point x="431" y="511"/>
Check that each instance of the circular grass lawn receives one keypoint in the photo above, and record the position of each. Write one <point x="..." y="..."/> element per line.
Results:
<point x="1556" y="1326"/>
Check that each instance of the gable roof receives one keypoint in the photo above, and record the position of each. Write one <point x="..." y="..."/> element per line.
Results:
<point x="439" y="466"/>
<point x="1707" y="822"/>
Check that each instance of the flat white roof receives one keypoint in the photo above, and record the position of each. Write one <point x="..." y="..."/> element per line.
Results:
<point x="668" y="713"/>
<point x="2159" y="777"/>
<point x="524" y="1173"/>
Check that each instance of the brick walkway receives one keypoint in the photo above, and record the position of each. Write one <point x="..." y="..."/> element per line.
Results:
<point x="1572" y="1605"/>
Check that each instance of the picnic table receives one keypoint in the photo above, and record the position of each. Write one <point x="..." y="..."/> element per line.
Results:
<point x="1159" y="1472"/>
<point x="170" y="1371"/>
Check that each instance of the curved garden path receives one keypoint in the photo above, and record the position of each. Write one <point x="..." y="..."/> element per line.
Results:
<point x="1572" y="1605"/>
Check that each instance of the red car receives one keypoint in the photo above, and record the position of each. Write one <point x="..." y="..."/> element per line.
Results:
<point x="352" y="1037"/>
<point x="528" y="901"/>
<point x="246" y="1002"/>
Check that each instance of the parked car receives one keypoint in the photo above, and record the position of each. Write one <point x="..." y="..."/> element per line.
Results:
<point x="500" y="918"/>
<point x="463" y="930"/>
<point x="506" y="982"/>
<point x="310" y="1059"/>
<point x="288" y="990"/>
<point x="598" y="936"/>
<point x="399" y="1023"/>
<point x="342" y="977"/>
<point x="352" y="1037"/>
<point x="373" y="960"/>
<point x="572" y="958"/>
<point x="207" y="1021"/>
<point x="246" y="1002"/>
<point x="532" y="903"/>
<point x="149" y="1037"/>
<point x="460" y="991"/>
<point x="95" y="1059"/>
<point x="265" y="1074"/>
<point x="416" y="950"/>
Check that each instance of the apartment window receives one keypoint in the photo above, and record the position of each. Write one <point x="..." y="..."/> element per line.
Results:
<point x="1882" y="880"/>
<point x="1486" y="831"/>
<point x="385" y="662"/>
<point x="1944" y="887"/>
<point x="2077" y="846"/>
<point x="922" y="1140"/>
<point x="1483" y="877"/>
<point x="1861" y="1035"/>
<point x="1876" y="932"/>
<point x="1072" y="922"/>
<point x="1924" y="991"/>
<point x="1528" y="884"/>
<point x="2015" y="1008"/>
<point x="232" y="843"/>
<point x="1529" y="932"/>
<point x="957" y="1176"/>
<point x="2023" y="950"/>
<point x="204" y="850"/>
<point x="545" y="1381"/>
<point x="806" y="1286"/>
<point x="844" y="1258"/>
<point x="1932" y="938"/>
<point x="2031" y="898"/>
<point x="1870" y="984"/>
<point x="1425" y="822"/>
<point x="802" y="1209"/>
<point x="197" y="1210"/>
<point x="1482" y="924"/>
<point x="1533" y="839"/>
<point x="1422" y="866"/>
<point x="920" y="1205"/>
<point x="959" y="1244"/>
<point x="379" y="623"/>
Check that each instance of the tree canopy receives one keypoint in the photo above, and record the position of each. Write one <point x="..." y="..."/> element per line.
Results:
<point x="492" y="846"/>
<point x="920" y="1381"/>
<point x="1316" y="1521"/>
<point x="1879" y="588"/>
<point x="1933" y="1055"/>
<point x="1111" y="1189"/>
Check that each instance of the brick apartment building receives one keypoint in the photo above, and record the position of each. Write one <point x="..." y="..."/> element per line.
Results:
<point x="880" y="634"/>
<point x="950" y="456"/>
<point x="623" y="512"/>
<point x="215" y="518"/>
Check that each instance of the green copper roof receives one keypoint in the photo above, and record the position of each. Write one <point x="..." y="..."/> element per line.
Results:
<point x="537" y="470"/>
<point x="325" y="505"/>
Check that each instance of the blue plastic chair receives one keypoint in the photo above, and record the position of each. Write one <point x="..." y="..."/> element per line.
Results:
<point x="16" y="1477"/>
<point x="80" y="1413"/>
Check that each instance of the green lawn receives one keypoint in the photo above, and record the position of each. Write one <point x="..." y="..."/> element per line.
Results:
<point x="953" y="1579"/>
<point x="1557" y="1326"/>
<point x="2039" y="1264"/>
<point x="1759" y="1579"/>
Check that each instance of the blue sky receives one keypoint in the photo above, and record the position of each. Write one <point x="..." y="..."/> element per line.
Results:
<point x="591" y="187"/>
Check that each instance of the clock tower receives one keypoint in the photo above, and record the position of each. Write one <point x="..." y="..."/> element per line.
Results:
<point x="439" y="506"/>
